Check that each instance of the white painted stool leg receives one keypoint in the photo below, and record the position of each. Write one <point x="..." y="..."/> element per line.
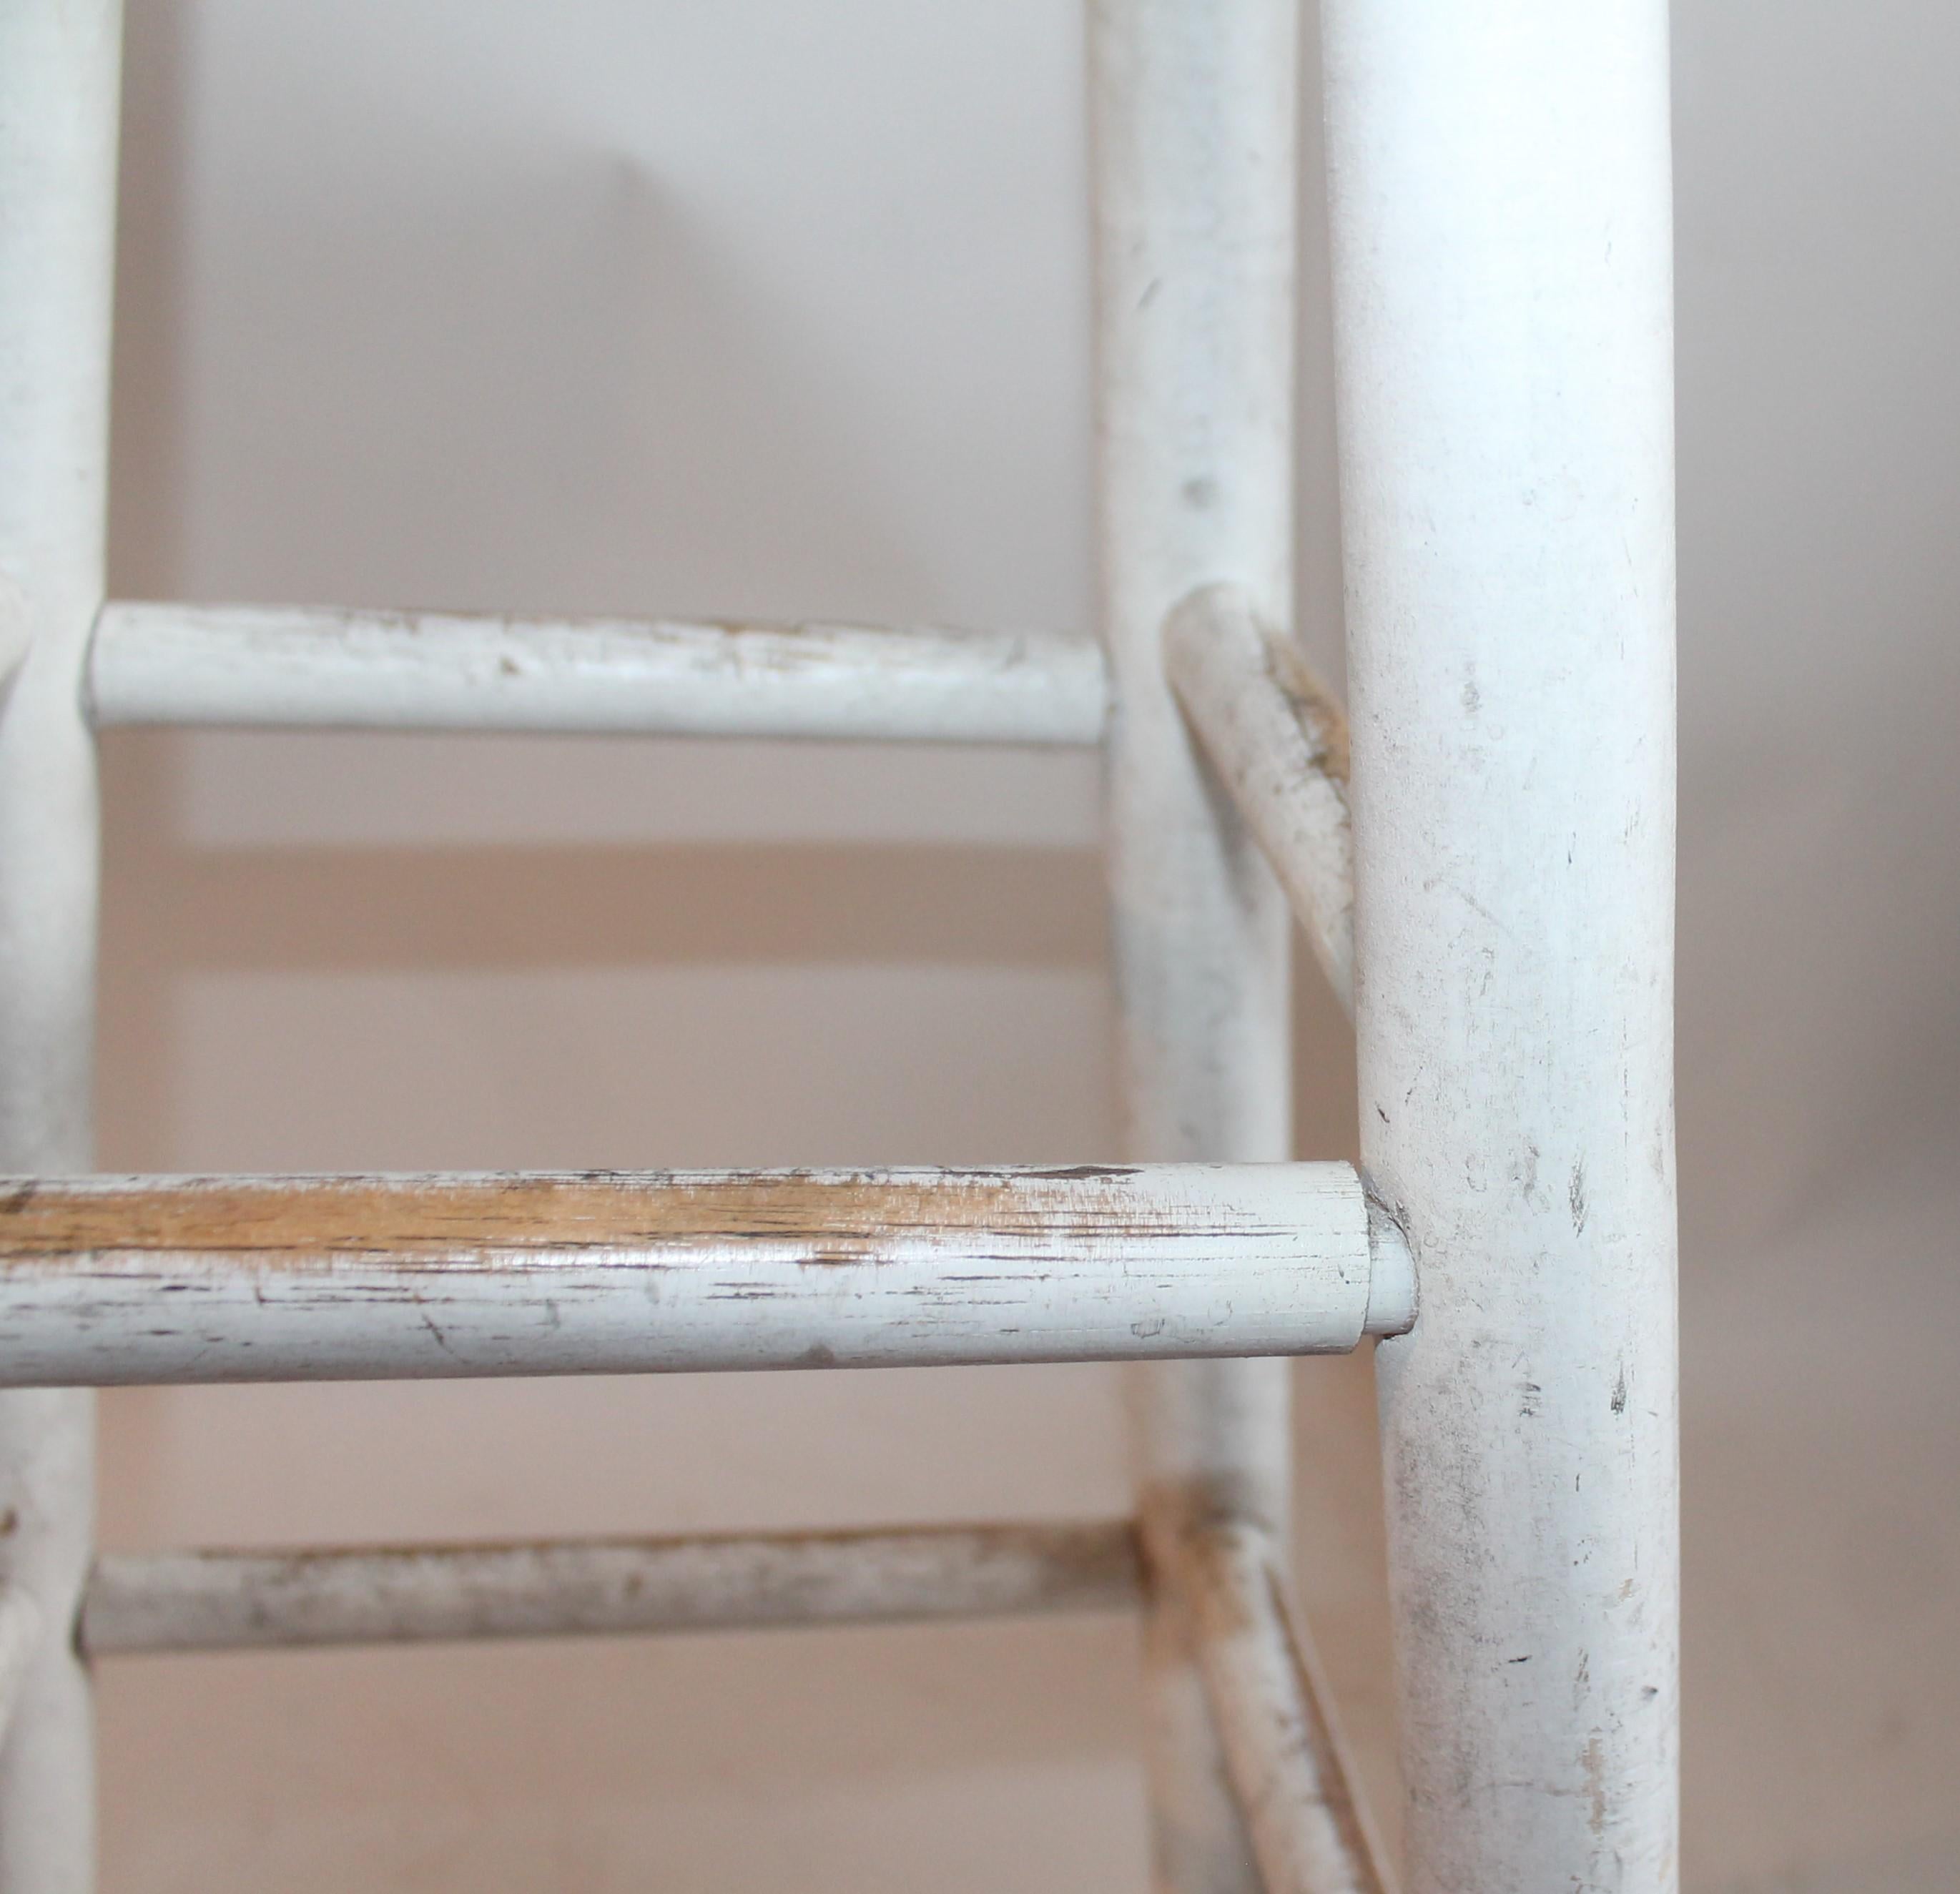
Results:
<point x="59" y="65"/>
<point x="1501" y="218"/>
<point x="1194" y="111"/>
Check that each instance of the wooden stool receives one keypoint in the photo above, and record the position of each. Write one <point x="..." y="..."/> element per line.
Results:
<point x="1498" y="913"/>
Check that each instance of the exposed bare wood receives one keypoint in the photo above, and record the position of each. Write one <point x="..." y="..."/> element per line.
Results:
<point x="1283" y="1748"/>
<point x="1279" y="744"/>
<point x="229" y="1600"/>
<point x="147" y="1279"/>
<point x="321" y="665"/>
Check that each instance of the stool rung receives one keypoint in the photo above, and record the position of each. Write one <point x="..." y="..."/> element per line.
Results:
<point x="326" y="666"/>
<point x="1284" y="1755"/>
<point x="238" y="1601"/>
<point x="112" y="1280"/>
<point x="1279" y="744"/>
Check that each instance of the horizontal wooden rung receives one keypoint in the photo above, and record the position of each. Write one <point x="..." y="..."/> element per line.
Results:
<point x="235" y="1600"/>
<point x="322" y="666"/>
<point x="109" y="1280"/>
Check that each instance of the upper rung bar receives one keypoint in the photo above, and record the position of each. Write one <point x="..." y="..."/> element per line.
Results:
<point x="325" y="667"/>
<point x="106" y="1280"/>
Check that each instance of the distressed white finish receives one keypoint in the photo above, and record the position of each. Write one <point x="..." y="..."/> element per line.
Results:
<point x="325" y="666"/>
<point x="1282" y="1746"/>
<point x="1500" y="186"/>
<point x="1193" y="109"/>
<point x="59" y="63"/>
<point x="231" y="1601"/>
<point x="1501" y="221"/>
<point x="1279" y="743"/>
<point x="144" y="1280"/>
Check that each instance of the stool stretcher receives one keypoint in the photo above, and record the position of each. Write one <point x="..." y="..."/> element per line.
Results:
<point x="115" y="1280"/>
<point x="337" y="668"/>
<point x="186" y="1601"/>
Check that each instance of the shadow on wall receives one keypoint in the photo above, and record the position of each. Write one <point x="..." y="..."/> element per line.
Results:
<point x="879" y="963"/>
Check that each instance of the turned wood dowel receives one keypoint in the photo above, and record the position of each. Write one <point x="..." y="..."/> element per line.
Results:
<point x="60" y="65"/>
<point x="1500" y="214"/>
<point x="1279" y="744"/>
<point x="1195" y="175"/>
<point x="223" y="1600"/>
<point x="162" y="1279"/>
<point x="1288" y="1765"/>
<point x="334" y="667"/>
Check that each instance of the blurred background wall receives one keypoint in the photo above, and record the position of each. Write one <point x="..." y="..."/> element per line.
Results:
<point x="762" y="308"/>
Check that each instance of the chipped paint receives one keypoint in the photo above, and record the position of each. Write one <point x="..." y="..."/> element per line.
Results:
<point x="1278" y="742"/>
<point x="1288" y="1763"/>
<point x="112" y="1280"/>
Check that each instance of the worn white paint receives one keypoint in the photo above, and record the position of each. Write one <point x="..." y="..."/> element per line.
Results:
<point x="141" y="1280"/>
<point x="231" y="1601"/>
<point x="1194" y="110"/>
<point x="1283" y="1748"/>
<point x="323" y="666"/>
<point x="59" y="63"/>
<point x="1278" y="742"/>
<point x="1501" y="220"/>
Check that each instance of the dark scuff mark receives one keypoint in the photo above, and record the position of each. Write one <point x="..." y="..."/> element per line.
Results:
<point x="1085" y="1171"/>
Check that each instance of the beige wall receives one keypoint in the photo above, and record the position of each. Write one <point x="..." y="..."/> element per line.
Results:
<point x="773" y="308"/>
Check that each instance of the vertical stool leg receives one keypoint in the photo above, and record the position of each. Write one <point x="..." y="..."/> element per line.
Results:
<point x="1193" y="113"/>
<point x="59" y="63"/>
<point x="1501" y="216"/>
